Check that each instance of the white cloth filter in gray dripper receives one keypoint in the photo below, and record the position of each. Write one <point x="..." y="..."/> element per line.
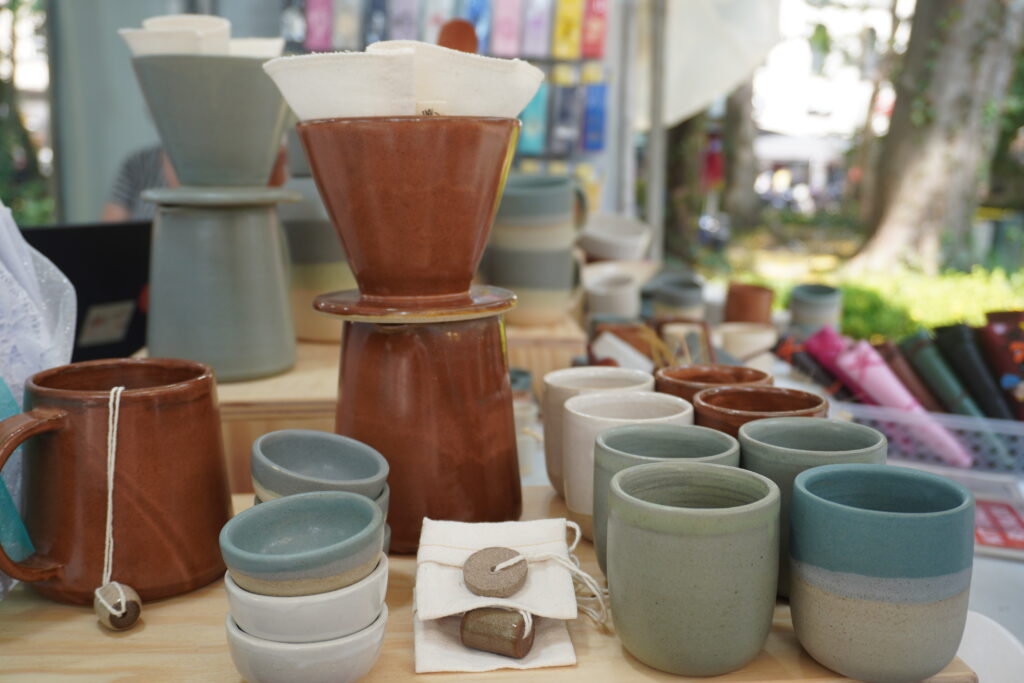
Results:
<point x="195" y="34"/>
<point x="37" y="325"/>
<point x="403" y="78"/>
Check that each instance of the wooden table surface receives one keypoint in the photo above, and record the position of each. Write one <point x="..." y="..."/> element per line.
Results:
<point x="182" y="639"/>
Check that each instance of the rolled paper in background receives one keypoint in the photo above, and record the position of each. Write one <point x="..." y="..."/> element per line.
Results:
<point x="867" y="368"/>
<point x="890" y="353"/>
<point x="825" y="345"/>
<point x="1007" y="374"/>
<point x="794" y="353"/>
<point x="957" y="345"/>
<point x="937" y="375"/>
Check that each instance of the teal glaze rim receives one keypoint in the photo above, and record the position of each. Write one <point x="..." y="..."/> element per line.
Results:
<point x="731" y="444"/>
<point x="771" y="498"/>
<point x="808" y="477"/>
<point x="343" y="442"/>
<point x="260" y="563"/>
<point x="807" y="456"/>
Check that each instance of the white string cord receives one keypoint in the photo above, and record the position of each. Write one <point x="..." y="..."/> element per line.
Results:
<point x="113" y="418"/>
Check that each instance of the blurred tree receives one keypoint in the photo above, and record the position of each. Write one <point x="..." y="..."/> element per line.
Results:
<point x="23" y="187"/>
<point x="685" y="151"/>
<point x="934" y="161"/>
<point x="738" y="132"/>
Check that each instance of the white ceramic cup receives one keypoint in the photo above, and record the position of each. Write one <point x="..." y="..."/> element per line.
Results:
<point x="309" y="618"/>
<point x="586" y="416"/>
<point x="561" y="385"/>
<point x="621" y="238"/>
<point x="342" y="660"/>
<point x="746" y="341"/>
<point x="617" y="294"/>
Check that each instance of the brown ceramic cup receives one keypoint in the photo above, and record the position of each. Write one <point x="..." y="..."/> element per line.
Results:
<point x="170" y="496"/>
<point x="685" y="381"/>
<point x="412" y="197"/>
<point x="748" y="303"/>
<point x="728" y="408"/>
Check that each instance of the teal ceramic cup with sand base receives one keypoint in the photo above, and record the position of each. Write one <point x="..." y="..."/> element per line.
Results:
<point x="692" y="564"/>
<point x="881" y="562"/>
<point x="632" y="445"/>
<point x="780" y="448"/>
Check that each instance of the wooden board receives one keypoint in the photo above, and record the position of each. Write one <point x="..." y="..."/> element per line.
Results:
<point x="182" y="639"/>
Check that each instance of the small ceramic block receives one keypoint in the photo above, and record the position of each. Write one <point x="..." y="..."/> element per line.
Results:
<point x="497" y="630"/>
<point x="480" y="577"/>
<point x="114" y="594"/>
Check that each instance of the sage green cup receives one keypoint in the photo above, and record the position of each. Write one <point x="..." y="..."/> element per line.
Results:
<point x="780" y="448"/>
<point x="622" y="447"/>
<point x="692" y="564"/>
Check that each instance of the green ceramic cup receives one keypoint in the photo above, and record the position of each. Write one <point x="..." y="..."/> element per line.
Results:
<point x="881" y="560"/>
<point x="622" y="447"/>
<point x="781" y="448"/>
<point x="692" y="564"/>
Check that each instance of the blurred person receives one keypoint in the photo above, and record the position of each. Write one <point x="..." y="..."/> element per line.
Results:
<point x="140" y="171"/>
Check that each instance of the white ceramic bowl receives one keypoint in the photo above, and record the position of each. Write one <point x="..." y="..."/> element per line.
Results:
<point x="342" y="660"/>
<point x="309" y="618"/>
<point x="621" y="238"/>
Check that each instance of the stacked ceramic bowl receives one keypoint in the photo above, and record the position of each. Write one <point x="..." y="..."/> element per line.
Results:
<point x="306" y="584"/>
<point x="293" y="461"/>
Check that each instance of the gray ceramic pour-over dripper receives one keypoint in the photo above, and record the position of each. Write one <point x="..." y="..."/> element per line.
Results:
<point x="220" y="117"/>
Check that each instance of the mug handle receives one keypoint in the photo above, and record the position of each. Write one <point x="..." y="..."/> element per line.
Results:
<point x="13" y="431"/>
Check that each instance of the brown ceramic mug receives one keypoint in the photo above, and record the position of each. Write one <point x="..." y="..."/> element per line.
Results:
<point x="170" y="495"/>
<point x="728" y="408"/>
<point x="685" y="381"/>
<point x="748" y="303"/>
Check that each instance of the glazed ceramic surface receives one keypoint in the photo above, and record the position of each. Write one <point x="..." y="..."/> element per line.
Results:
<point x="342" y="660"/>
<point x="685" y="381"/>
<point x="170" y="496"/>
<point x="220" y="118"/>
<point x="781" y="448"/>
<point x="412" y="198"/>
<point x="692" y="560"/>
<point x="748" y="303"/>
<point x="620" y="238"/>
<point x="310" y="618"/>
<point x="530" y="248"/>
<point x="291" y="461"/>
<point x="749" y="342"/>
<point x="813" y="306"/>
<point x="383" y="501"/>
<point x="621" y="447"/>
<point x="728" y="408"/>
<point x="560" y="386"/>
<point x="680" y="296"/>
<point x="588" y="415"/>
<point x="881" y="561"/>
<point x="617" y="295"/>
<point x="303" y="544"/>
<point x="218" y="288"/>
<point x="435" y="400"/>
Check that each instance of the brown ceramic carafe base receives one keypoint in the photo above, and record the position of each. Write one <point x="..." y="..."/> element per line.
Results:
<point x="435" y="400"/>
<point x="54" y="592"/>
<point x="478" y="302"/>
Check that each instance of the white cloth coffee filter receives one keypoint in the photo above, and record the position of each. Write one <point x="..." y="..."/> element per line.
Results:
<point x="468" y="84"/>
<point x="445" y="546"/>
<point x="184" y="34"/>
<point x="266" y="48"/>
<point x="143" y="42"/>
<point x="403" y="78"/>
<point x="439" y="648"/>
<point x="214" y="31"/>
<point x="346" y="84"/>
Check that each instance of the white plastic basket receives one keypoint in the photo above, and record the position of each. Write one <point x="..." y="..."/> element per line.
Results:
<point x="996" y="445"/>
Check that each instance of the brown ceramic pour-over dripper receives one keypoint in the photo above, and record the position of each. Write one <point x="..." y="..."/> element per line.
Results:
<point x="412" y="198"/>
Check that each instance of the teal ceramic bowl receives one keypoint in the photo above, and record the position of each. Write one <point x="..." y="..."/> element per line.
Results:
<point x="621" y="447"/>
<point x="293" y="461"/>
<point x="881" y="562"/>
<point x="383" y="501"/>
<point x="303" y="544"/>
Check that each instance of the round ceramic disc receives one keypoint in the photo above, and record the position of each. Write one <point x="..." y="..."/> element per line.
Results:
<point x="481" y="578"/>
<point x="480" y="302"/>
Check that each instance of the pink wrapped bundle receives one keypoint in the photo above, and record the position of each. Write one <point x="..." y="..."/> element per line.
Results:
<point x="869" y="371"/>
<point x="825" y="346"/>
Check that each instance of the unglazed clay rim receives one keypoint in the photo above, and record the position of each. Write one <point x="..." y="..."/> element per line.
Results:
<point x="905" y="473"/>
<point x="746" y="428"/>
<point x="733" y="444"/>
<point x="552" y="378"/>
<point x="285" y="562"/>
<point x="683" y="407"/>
<point x="662" y="374"/>
<point x="699" y="402"/>
<point x="376" y="626"/>
<point x="273" y="601"/>
<point x="383" y="468"/>
<point x="771" y="496"/>
<point x="205" y="374"/>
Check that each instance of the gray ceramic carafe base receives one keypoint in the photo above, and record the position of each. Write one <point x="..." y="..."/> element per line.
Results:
<point x="218" y="282"/>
